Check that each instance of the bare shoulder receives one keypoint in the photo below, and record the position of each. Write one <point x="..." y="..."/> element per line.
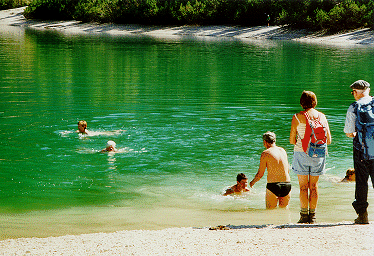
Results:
<point x="269" y="153"/>
<point x="300" y="116"/>
<point x="274" y="153"/>
<point x="323" y="115"/>
<point x="266" y="153"/>
<point x="281" y="149"/>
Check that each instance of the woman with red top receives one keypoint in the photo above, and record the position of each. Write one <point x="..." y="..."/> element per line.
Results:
<point x="308" y="169"/>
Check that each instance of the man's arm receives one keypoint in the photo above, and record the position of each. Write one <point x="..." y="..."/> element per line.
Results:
<point x="350" y="123"/>
<point x="261" y="169"/>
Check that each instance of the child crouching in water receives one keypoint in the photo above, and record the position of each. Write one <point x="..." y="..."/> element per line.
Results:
<point x="240" y="186"/>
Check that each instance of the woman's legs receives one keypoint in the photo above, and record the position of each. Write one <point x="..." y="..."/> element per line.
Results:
<point x="308" y="191"/>
<point x="304" y="191"/>
<point x="313" y="188"/>
<point x="308" y="197"/>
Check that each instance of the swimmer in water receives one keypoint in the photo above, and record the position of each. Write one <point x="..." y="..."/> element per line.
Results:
<point x="110" y="147"/>
<point x="240" y="186"/>
<point x="82" y="127"/>
<point x="349" y="176"/>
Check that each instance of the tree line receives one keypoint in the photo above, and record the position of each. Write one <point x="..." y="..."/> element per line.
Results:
<point x="329" y="15"/>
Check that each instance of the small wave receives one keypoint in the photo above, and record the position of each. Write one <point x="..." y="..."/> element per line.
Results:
<point x="119" y="151"/>
<point x="87" y="151"/>
<point x="91" y="133"/>
<point x="103" y="133"/>
<point x="65" y="133"/>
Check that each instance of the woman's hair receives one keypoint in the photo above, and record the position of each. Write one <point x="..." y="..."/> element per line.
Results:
<point x="308" y="100"/>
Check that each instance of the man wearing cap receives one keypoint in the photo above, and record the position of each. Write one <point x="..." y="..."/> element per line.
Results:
<point x="363" y="167"/>
<point x="275" y="160"/>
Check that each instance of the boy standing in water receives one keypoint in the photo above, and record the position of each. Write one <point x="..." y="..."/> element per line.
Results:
<point x="240" y="186"/>
<point x="275" y="160"/>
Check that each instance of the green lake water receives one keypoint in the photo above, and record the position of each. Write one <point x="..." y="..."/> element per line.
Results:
<point x="187" y="116"/>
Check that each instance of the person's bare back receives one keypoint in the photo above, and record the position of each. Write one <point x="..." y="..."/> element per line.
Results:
<point x="274" y="160"/>
<point x="277" y="164"/>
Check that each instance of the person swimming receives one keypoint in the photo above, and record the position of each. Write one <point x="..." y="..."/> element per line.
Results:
<point x="349" y="176"/>
<point x="82" y="130"/>
<point x="82" y="127"/>
<point x="110" y="147"/>
<point x="240" y="186"/>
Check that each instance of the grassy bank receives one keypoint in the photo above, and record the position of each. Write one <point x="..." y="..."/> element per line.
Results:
<point x="331" y="15"/>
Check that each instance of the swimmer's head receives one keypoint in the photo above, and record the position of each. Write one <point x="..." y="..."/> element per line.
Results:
<point x="82" y="125"/>
<point x="269" y="137"/>
<point x="350" y="174"/>
<point x="110" y="143"/>
<point x="240" y="177"/>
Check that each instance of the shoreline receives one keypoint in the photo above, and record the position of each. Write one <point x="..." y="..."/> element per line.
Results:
<point x="358" y="37"/>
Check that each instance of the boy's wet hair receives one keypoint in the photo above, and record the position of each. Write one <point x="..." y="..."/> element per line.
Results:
<point x="82" y="123"/>
<point x="240" y="177"/>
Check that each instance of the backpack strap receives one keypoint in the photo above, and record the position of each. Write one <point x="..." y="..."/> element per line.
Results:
<point x="308" y="132"/>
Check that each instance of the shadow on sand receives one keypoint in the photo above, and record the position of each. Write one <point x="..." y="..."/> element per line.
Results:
<point x="14" y="17"/>
<point x="283" y="226"/>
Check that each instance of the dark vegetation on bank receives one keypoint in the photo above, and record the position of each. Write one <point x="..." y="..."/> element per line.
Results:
<point x="9" y="4"/>
<point x="328" y="15"/>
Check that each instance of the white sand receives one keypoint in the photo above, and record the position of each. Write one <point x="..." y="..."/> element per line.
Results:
<point x="259" y="34"/>
<point x="328" y="239"/>
<point x="290" y="239"/>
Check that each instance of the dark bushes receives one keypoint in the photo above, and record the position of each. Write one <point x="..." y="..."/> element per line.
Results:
<point x="9" y="4"/>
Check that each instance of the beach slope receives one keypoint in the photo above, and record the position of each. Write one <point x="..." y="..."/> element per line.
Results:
<point x="359" y="37"/>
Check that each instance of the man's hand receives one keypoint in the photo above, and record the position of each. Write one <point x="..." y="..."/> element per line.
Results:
<point x="351" y="135"/>
<point x="251" y="183"/>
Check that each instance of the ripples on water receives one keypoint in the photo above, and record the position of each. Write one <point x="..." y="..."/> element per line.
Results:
<point x="187" y="116"/>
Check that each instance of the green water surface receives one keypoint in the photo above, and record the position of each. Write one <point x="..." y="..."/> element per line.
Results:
<point x="187" y="115"/>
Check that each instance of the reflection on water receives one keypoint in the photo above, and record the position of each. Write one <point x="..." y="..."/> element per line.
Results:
<point x="187" y="116"/>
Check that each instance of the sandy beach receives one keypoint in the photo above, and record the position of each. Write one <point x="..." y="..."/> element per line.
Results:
<point x="343" y="238"/>
<point x="317" y="239"/>
<point x="359" y="37"/>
